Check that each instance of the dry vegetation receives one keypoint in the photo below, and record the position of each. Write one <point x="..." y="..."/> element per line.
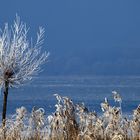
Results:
<point x="73" y="122"/>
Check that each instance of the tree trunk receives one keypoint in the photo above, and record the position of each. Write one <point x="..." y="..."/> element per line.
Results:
<point x="5" y="103"/>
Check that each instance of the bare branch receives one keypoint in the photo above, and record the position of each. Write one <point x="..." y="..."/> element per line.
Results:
<point x="19" y="58"/>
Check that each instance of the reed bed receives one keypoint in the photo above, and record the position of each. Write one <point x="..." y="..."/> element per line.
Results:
<point x="73" y="122"/>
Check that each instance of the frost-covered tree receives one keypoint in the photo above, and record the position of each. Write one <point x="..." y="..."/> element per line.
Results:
<point x="20" y="58"/>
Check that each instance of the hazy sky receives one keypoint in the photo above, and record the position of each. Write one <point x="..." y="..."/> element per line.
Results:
<point x="84" y="37"/>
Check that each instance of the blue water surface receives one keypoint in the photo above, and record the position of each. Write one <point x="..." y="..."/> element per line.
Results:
<point x="88" y="89"/>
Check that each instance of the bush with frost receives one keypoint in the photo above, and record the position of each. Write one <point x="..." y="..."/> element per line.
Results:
<point x="73" y="122"/>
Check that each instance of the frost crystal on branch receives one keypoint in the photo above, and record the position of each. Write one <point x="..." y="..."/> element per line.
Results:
<point x="20" y="58"/>
<point x="117" y="96"/>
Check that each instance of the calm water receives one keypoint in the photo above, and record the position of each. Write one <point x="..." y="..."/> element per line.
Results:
<point x="90" y="90"/>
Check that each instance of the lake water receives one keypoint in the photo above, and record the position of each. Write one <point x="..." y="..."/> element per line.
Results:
<point x="90" y="90"/>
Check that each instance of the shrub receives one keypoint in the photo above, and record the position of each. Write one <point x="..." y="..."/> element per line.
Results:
<point x="73" y="122"/>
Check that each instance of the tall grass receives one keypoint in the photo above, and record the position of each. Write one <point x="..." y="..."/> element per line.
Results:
<point x="73" y="122"/>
